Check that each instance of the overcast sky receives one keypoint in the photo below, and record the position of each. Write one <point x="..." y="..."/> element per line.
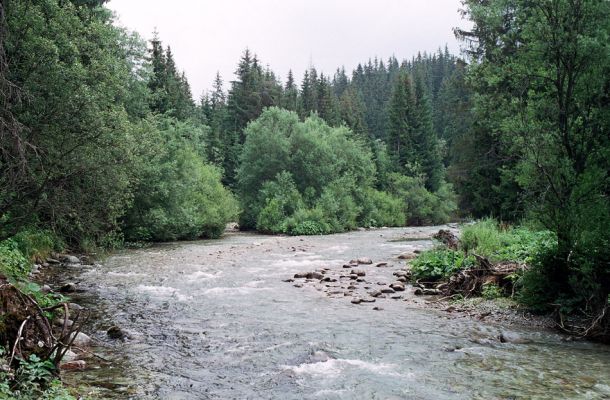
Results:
<point x="210" y="35"/>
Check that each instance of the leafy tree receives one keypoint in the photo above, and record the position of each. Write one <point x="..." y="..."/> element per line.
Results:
<point x="177" y="195"/>
<point x="541" y="76"/>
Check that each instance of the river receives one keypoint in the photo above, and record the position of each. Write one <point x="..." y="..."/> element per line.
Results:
<point x="215" y="320"/>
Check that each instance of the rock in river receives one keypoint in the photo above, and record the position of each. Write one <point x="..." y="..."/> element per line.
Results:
<point x="81" y="340"/>
<point x="68" y="288"/>
<point x="309" y="275"/>
<point x="398" y="286"/>
<point x="70" y="259"/>
<point x="358" y="272"/>
<point x="73" y="365"/>
<point x="512" y="337"/>
<point x="115" y="333"/>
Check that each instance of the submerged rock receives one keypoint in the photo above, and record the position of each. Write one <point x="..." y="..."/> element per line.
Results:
<point x="115" y="333"/>
<point x="358" y="272"/>
<point x="69" y="287"/>
<point x="73" y="365"/>
<point x="513" y="337"/>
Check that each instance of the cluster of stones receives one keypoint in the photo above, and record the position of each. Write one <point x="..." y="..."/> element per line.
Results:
<point x="352" y="277"/>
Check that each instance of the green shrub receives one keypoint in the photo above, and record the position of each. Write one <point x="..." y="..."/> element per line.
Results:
<point x="308" y="222"/>
<point x="439" y="263"/>
<point x="536" y="289"/>
<point x="483" y="237"/>
<point x="491" y="291"/>
<point x="179" y="196"/>
<point x="488" y="239"/>
<point x="421" y="206"/>
<point x="33" y="380"/>
<point x="35" y="244"/>
<point x="382" y="209"/>
<point x="13" y="264"/>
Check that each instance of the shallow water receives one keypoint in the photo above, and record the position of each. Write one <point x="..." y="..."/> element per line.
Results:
<point x="213" y="320"/>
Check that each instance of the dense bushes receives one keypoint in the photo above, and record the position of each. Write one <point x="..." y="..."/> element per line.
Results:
<point x="177" y="195"/>
<point x="315" y="179"/>
<point x="439" y="263"/>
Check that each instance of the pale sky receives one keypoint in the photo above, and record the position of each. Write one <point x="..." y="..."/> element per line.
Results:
<point x="208" y="36"/>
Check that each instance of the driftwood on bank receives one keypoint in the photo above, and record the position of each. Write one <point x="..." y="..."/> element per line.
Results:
<point x="469" y="282"/>
<point x="448" y="238"/>
<point x="25" y="329"/>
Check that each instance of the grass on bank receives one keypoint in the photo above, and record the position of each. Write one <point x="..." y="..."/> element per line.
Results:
<point x="497" y="243"/>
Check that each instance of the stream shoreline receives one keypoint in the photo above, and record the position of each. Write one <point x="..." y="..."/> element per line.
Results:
<point x="97" y="286"/>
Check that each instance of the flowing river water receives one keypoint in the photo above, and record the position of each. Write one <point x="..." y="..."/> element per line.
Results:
<point x="214" y="320"/>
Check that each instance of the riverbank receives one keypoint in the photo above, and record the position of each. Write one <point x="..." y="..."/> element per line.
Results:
<point x="215" y="319"/>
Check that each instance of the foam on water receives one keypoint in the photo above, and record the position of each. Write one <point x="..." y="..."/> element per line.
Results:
<point x="237" y="290"/>
<point x="162" y="292"/>
<point x="200" y="275"/>
<point x="335" y="367"/>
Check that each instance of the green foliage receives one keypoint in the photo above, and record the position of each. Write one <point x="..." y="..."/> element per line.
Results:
<point x="382" y="209"/>
<point x="553" y="126"/>
<point x="489" y="239"/>
<point x="37" y="244"/>
<point x="308" y="222"/>
<point x="536" y="289"/>
<point x="13" y="264"/>
<point x="178" y="196"/>
<point x="439" y="263"/>
<point x="311" y="179"/>
<point x="491" y="291"/>
<point x="420" y="205"/>
<point x="34" y="379"/>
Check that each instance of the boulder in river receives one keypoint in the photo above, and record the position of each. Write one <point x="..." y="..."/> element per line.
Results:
<point x="387" y="290"/>
<point x="70" y="259"/>
<point x="356" y="300"/>
<point x="513" y="337"/>
<point x="365" y="261"/>
<point x="407" y="256"/>
<point x="309" y="275"/>
<point x="375" y="293"/>
<point x="81" y="340"/>
<point x="398" y="286"/>
<point x="358" y="272"/>
<point x="68" y="288"/>
<point x="115" y="333"/>
<point x="381" y="264"/>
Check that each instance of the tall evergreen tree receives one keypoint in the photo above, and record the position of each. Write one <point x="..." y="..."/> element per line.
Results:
<point x="290" y="95"/>
<point x="402" y="123"/>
